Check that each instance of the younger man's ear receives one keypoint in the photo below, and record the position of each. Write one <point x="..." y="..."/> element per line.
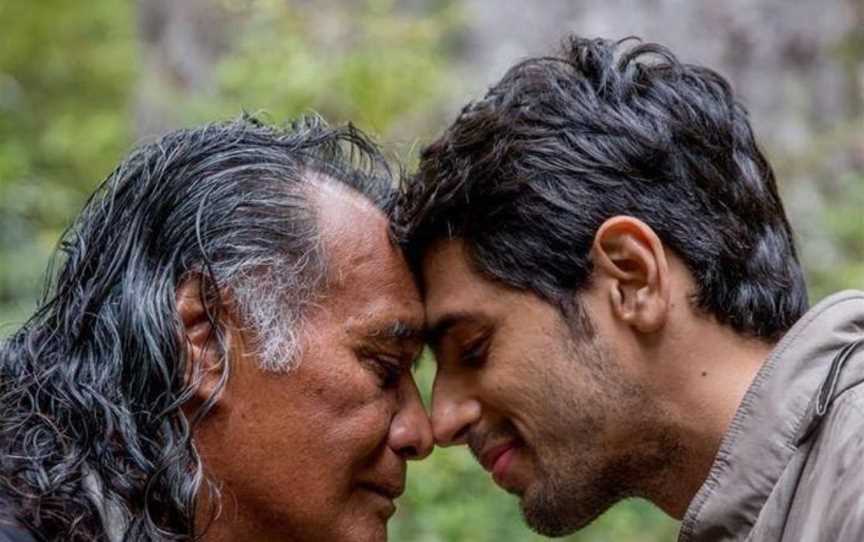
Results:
<point x="629" y="254"/>
<point x="206" y="356"/>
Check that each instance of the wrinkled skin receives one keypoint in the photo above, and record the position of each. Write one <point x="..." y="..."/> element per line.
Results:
<point x="318" y="454"/>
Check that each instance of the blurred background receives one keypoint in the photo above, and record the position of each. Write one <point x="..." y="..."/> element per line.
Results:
<point x="82" y="82"/>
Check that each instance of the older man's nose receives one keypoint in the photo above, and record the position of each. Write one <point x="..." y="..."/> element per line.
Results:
<point x="453" y="413"/>
<point x="411" y="431"/>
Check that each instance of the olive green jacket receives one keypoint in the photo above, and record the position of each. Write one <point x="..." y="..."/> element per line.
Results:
<point x="791" y="465"/>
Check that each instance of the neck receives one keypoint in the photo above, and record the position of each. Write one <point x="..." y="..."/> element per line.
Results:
<point x="701" y="385"/>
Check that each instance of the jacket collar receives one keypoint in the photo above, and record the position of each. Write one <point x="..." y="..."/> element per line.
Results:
<point x="771" y="418"/>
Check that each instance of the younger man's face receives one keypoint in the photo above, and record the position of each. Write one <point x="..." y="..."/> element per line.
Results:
<point x="547" y="412"/>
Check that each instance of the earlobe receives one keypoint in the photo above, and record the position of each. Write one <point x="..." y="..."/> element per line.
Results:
<point x="631" y="256"/>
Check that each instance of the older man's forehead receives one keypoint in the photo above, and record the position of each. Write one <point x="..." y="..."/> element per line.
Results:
<point x="387" y="314"/>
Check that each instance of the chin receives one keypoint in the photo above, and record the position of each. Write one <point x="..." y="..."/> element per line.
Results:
<point x="370" y="530"/>
<point x="552" y="514"/>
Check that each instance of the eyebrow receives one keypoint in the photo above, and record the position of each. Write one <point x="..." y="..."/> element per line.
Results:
<point x="400" y="330"/>
<point x="445" y="323"/>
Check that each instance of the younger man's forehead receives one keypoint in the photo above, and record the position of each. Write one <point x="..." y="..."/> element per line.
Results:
<point x="454" y="292"/>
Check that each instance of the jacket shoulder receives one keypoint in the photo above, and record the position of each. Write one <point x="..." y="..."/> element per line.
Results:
<point x="829" y="500"/>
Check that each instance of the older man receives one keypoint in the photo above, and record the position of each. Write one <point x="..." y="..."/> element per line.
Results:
<point x="225" y="351"/>
<point x="618" y="310"/>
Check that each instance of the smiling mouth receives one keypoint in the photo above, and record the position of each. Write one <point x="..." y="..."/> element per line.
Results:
<point x="497" y="459"/>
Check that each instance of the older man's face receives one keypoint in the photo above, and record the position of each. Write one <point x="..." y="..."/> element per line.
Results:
<point x="319" y="454"/>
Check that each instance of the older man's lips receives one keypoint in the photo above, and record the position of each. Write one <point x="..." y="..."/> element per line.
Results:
<point x="385" y="494"/>
<point x="391" y="491"/>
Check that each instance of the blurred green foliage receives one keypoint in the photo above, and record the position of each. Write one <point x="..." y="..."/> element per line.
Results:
<point x="65" y="83"/>
<point x="364" y="62"/>
<point x="844" y="223"/>
<point x="69" y="82"/>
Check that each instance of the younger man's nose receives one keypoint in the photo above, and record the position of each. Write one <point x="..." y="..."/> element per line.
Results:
<point x="452" y="415"/>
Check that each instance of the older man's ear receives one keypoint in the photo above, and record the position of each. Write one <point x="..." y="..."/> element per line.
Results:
<point x="206" y="352"/>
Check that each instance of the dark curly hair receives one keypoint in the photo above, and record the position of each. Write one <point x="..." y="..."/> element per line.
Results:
<point x="92" y="435"/>
<point x="527" y="175"/>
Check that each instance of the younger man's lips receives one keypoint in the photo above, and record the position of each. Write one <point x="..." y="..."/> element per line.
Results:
<point x="490" y="458"/>
<point x="502" y="465"/>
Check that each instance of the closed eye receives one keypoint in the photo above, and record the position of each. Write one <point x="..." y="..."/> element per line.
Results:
<point x="475" y="353"/>
<point x="388" y="369"/>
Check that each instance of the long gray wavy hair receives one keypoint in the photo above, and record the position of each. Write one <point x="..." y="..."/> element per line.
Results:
<point x="93" y="442"/>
